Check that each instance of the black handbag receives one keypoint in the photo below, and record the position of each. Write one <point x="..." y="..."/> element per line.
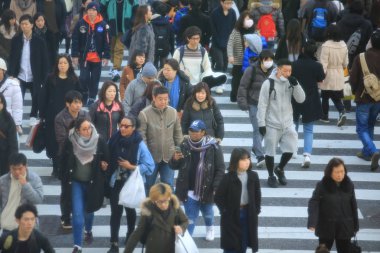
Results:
<point x="39" y="143"/>
<point x="354" y="246"/>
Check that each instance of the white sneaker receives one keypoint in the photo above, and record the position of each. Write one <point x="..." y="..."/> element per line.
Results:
<point x="33" y="121"/>
<point x="294" y="156"/>
<point x="306" y="161"/>
<point x="210" y="233"/>
<point x="219" y="90"/>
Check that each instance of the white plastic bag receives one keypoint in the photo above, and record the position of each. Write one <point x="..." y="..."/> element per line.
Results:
<point x="133" y="191"/>
<point x="185" y="244"/>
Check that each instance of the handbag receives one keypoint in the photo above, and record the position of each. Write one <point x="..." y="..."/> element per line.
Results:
<point x="32" y="134"/>
<point x="354" y="246"/>
<point x="185" y="244"/>
<point x="39" y="142"/>
<point x="133" y="191"/>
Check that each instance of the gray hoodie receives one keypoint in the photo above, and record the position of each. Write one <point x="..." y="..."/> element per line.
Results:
<point x="276" y="111"/>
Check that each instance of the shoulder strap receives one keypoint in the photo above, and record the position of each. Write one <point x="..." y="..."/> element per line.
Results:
<point x="271" y="88"/>
<point x="181" y="53"/>
<point x="143" y="114"/>
<point x="203" y="52"/>
<point x="364" y="65"/>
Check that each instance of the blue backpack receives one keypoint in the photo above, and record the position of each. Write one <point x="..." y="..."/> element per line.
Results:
<point x="319" y="23"/>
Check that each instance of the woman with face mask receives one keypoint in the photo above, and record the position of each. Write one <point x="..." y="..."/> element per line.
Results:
<point x="248" y="96"/>
<point x="235" y="49"/>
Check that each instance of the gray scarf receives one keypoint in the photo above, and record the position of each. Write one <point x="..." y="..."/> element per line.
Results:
<point x="84" y="149"/>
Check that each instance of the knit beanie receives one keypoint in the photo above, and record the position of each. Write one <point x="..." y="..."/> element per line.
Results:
<point x="254" y="42"/>
<point x="149" y="70"/>
<point x="93" y="5"/>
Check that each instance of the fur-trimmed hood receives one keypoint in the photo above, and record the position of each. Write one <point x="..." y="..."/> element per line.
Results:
<point x="331" y="186"/>
<point x="147" y="205"/>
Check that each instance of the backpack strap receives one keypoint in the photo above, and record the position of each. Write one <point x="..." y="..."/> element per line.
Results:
<point x="182" y="53"/>
<point x="271" y="88"/>
<point x="364" y="65"/>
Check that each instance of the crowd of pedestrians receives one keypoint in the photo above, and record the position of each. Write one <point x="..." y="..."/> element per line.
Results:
<point x="157" y="114"/>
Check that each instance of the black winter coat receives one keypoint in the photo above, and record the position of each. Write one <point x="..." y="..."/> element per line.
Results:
<point x="196" y="18"/>
<point x="212" y="117"/>
<point x="104" y="121"/>
<point x="39" y="60"/>
<point x="308" y="73"/>
<point x="227" y="198"/>
<point x="95" y="187"/>
<point x="213" y="172"/>
<point x="333" y="210"/>
<point x="8" y="140"/>
<point x="184" y="88"/>
<point x="60" y="13"/>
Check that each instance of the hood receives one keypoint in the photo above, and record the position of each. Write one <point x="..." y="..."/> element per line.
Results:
<point x="7" y="81"/>
<point x="147" y="205"/>
<point x="334" y="44"/>
<point x="157" y="19"/>
<point x="98" y="19"/>
<point x="265" y="8"/>
<point x="254" y="42"/>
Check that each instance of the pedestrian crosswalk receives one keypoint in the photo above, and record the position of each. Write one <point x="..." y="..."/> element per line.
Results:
<point x="282" y="223"/>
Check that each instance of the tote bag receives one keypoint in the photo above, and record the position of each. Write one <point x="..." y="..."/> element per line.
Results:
<point x="133" y="191"/>
<point x="185" y="244"/>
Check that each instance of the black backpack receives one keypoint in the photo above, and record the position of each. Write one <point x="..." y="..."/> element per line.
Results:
<point x="161" y="37"/>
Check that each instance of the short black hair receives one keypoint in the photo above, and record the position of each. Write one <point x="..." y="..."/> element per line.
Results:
<point x="159" y="90"/>
<point x="191" y="31"/>
<point x="72" y="95"/>
<point x="195" y="4"/>
<point x="310" y="48"/>
<point x="375" y="39"/>
<point x="17" y="159"/>
<point x="160" y="8"/>
<point x="26" y="17"/>
<point x="265" y="54"/>
<point x="25" y="208"/>
<point x="283" y="61"/>
<point x="238" y="154"/>
<point x="333" y="33"/>
<point x="356" y="7"/>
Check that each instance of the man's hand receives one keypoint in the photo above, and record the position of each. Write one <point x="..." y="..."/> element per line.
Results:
<point x="125" y="164"/>
<point x="22" y="179"/>
<point x="263" y="130"/>
<point x="312" y="229"/>
<point x="177" y="156"/>
<point x="293" y="81"/>
<point x="103" y="165"/>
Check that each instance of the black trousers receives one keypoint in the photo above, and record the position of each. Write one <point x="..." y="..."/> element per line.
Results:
<point x="117" y="212"/>
<point x="237" y="73"/>
<point x="336" y="96"/>
<point x="219" y="59"/>
<point x="342" y="245"/>
<point x="65" y="201"/>
<point x="34" y="91"/>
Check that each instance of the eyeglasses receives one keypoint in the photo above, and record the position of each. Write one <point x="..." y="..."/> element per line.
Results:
<point x="125" y="126"/>
<point x="162" y="202"/>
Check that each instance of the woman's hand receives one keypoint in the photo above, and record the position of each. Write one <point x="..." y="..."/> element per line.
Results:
<point x="231" y="60"/>
<point x="103" y="165"/>
<point x="178" y="230"/>
<point x="125" y="164"/>
<point x="312" y="229"/>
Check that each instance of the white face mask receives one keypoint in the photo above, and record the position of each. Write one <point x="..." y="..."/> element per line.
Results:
<point x="248" y="23"/>
<point x="283" y="78"/>
<point x="268" y="64"/>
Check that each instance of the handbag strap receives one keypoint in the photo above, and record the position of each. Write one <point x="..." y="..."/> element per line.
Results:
<point x="364" y="65"/>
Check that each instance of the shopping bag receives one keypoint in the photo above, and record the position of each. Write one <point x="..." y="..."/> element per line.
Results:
<point x="31" y="136"/>
<point x="39" y="143"/>
<point x="354" y="246"/>
<point x="133" y="191"/>
<point x="185" y="244"/>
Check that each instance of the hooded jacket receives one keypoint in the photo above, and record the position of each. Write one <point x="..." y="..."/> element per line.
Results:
<point x="82" y="35"/>
<point x="160" y="237"/>
<point x="12" y="93"/>
<point x="134" y="91"/>
<point x="275" y="110"/>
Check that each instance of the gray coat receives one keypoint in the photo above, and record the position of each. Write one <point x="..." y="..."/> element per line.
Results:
<point x="143" y="39"/>
<point x="134" y="91"/>
<point x="32" y="191"/>
<point x="276" y="111"/>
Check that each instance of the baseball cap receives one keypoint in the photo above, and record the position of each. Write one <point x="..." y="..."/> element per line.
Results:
<point x="197" y="125"/>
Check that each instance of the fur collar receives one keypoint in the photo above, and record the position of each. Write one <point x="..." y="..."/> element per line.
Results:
<point x="346" y="185"/>
<point x="147" y="205"/>
<point x="198" y="106"/>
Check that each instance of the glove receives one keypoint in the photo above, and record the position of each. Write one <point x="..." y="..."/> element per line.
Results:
<point x="263" y="130"/>
<point x="293" y="81"/>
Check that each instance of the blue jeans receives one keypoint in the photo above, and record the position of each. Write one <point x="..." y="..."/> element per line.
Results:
<point x="80" y="217"/>
<point x="365" y="125"/>
<point x="308" y="136"/>
<point x="166" y="175"/>
<point x="244" y="230"/>
<point x="257" y="146"/>
<point x="192" y="208"/>
<point x="89" y="77"/>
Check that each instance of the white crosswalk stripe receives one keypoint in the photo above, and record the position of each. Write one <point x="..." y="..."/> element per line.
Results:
<point x="282" y="223"/>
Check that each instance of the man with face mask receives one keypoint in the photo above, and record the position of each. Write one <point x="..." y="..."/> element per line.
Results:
<point x="275" y="118"/>
<point x="248" y="97"/>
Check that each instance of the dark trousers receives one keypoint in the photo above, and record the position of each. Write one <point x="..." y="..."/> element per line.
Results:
<point x="34" y="92"/>
<point x="53" y="47"/>
<point x="117" y="212"/>
<point x="219" y="59"/>
<point x="237" y="73"/>
<point x="159" y="61"/>
<point x="65" y="201"/>
<point x="342" y="245"/>
<point x="336" y="96"/>
<point x="89" y="77"/>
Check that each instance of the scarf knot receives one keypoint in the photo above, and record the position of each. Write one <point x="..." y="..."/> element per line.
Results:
<point x="84" y="150"/>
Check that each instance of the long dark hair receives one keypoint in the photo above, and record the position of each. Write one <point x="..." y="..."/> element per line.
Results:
<point x="8" y="15"/>
<point x="199" y="87"/>
<point x="102" y="93"/>
<point x="139" y="21"/>
<point x="136" y="53"/>
<point x="7" y="115"/>
<point x="237" y="155"/>
<point x="334" y="162"/>
<point x="239" y="25"/>
<point x="70" y="72"/>
<point x="294" y="36"/>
